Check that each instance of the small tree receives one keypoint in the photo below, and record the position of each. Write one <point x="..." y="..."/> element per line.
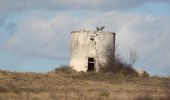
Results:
<point x="114" y="64"/>
<point x="133" y="57"/>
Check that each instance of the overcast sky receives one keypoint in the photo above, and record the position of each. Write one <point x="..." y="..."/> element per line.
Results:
<point x="35" y="34"/>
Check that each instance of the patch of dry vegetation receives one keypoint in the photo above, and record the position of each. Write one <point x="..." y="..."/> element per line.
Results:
<point x="114" y="64"/>
<point x="66" y="84"/>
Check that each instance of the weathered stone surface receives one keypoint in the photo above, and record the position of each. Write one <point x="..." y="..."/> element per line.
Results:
<point x="89" y="44"/>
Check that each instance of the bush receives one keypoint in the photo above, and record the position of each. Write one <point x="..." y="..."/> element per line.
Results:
<point x="145" y="74"/>
<point x="114" y="64"/>
<point x="119" y="67"/>
<point x="128" y="70"/>
<point x="65" y="69"/>
<point x="3" y="88"/>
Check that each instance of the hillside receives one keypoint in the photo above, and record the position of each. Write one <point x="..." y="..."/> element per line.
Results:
<point x="65" y="84"/>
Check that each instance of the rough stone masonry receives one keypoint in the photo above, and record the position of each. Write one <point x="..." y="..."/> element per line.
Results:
<point x="87" y="48"/>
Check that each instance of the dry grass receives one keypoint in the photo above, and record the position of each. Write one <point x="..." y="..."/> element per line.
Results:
<point x="66" y="84"/>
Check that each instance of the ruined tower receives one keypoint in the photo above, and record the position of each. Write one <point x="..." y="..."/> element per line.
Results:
<point x="87" y="48"/>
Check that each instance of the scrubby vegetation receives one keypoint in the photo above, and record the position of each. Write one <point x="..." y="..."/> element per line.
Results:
<point x="114" y="64"/>
<point x="66" y="84"/>
<point x="116" y="80"/>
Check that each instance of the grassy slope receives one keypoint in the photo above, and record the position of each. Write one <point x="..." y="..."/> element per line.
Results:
<point x="63" y="85"/>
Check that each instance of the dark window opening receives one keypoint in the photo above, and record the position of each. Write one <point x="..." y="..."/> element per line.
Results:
<point x="91" y="64"/>
<point x="92" y="39"/>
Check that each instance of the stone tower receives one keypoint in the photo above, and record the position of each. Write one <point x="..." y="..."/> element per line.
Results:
<point x="87" y="48"/>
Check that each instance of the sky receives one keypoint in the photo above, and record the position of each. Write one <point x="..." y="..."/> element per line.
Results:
<point x="35" y="35"/>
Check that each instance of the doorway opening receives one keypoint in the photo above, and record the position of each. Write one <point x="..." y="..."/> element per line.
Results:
<point x="91" y="64"/>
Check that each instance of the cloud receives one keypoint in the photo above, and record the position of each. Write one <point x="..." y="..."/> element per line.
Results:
<point x="1" y="21"/>
<point x="42" y="36"/>
<point x="39" y="35"/>
<point x="8" y="6"/>
<point x="149" y="36"/>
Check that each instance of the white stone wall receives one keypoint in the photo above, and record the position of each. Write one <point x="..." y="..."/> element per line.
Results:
<point x="88" y="44"/>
